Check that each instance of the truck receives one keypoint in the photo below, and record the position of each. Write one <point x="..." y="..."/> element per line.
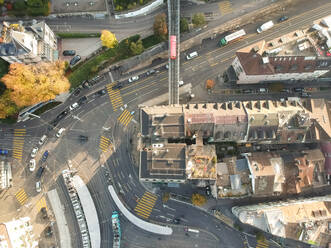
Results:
<point x="116" y="230"/>
<point x="231" y="37"/>
<point x="265" y="26"/>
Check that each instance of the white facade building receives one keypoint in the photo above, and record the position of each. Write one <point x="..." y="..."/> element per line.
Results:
<point x="28" y="43"/>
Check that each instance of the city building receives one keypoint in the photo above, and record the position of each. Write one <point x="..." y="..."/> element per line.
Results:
<point x="17" y="233"/>
<point x="299" y="55"/>
<point x="27" y="42"/>
<point x="307" y="220"/>
<point x="174" y="138"/>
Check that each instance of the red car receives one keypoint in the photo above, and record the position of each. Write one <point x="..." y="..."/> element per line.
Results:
<point x="328" y="54"/>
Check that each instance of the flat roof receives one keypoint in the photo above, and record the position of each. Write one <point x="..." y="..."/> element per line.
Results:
<point x="167" y="162"/>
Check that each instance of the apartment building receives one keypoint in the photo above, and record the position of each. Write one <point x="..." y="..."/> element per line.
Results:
<point x="27" y="42"/>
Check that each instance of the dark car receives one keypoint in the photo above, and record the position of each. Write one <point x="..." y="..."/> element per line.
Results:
<point x="283" y="19"/>
<point x="45" y="156"/>
<point x="48" y="231"/>
<point x="75" y="60"/>
<point x="77" y="92"/>
<point x="150" y="72"/>
<point x="83" y="138"/>
<point x="44" y="213"/>
<point x="40" y="172"/>
<point x="176" y="221"/>
<point x="118" y="86"/>
<point x="247" y="91"/>
<point x="86" y="84"/>
<point x="69" y="53"/>
<point x="82" y="100"/>
<point x="101" y="92"/>
<point x="208" y="190"/>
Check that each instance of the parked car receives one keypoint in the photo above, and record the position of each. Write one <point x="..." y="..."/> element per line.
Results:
<point x="176" y="221"/>
<point x="150" y="72"/>
<point x="247" y="91"/>
<point x="305" y="94"/>
<point x="83" y="138"/>
<point x="86" y="84"/>
<point x="117" y="86"/>
<point x="32" y="165"/>
<point x="38" y="186"/>
<point x="134" y="78"/>
<point x="286" y="90"/>
<point x="298" y="89"/>
<point x="48" y="231"/>
<point x="59" y="133"/>
<point x="42" y="140"/>
<point x="208" y="190"/>
<point x="77" y="92"/>
<point x="69" y="53"/>
<point x="180" y="83"/>
<point x="82" y="100"/>
<point x="73" y="106"/>
<point x="34" y="152"/>
<point x="167" y="66"/>
<point x="283" y="19"/>
<point x="75" y="60"/>
<point x="3" y="151"/>
<point x="44" y="157"/>
<point x="40" y="172"/>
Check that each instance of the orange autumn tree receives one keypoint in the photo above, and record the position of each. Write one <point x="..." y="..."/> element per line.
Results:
<point x="160" y="26"/>
<point x="31" y="84"/>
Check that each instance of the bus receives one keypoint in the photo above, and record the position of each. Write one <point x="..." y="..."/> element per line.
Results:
<point x="173" y="47"/>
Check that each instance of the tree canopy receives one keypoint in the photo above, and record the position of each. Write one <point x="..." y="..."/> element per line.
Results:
<point x="160" y="26"/>
<point x="137" y="47"/>
<point x="183" y="25"/>
<point x="7" y="106"/>
<point x="198" y="19"/>
<point x="198" y="199"/>
<point x="108" y="39"/>
<point x="34" y="83"/>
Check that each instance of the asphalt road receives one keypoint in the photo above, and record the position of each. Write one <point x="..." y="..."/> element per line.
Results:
<point x="90" y="119"/>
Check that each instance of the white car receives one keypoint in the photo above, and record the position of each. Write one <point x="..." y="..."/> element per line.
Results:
<point x="59" y="133"/>
<point x="34" y="152"/>
<point x="38" y="186"/>
<point x="73" y="106"/>
<point x="180" y="83"/>
<point x="134" y="78"/>
<point x="32" y="165"/>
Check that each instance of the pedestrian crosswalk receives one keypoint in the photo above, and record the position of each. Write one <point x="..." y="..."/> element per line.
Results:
<point x="18" y="143"/>
<point x="262" y="244"/>
<point x="115" y="96"/>
<point x="145" y="205"/>
<point x="41" y="204"/>
<point x="125" y="118"/>
<point x="225" y="7"/>
<point x="21" y="197"/>
<point x="104" y="144"/>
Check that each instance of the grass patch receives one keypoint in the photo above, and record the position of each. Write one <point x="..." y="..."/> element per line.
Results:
<point x="78" y="35"/>
<point x="151" y="41"/>
<point x="46" y="107"/>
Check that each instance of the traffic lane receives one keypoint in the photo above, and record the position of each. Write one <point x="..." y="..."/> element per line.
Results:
<point x="196" y="218"/>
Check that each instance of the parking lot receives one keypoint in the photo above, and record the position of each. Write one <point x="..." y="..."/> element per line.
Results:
<point x="76" y="6"/>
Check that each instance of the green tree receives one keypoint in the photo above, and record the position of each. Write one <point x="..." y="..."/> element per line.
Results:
<point x="198" y="200"/>
<point x="137" y="47"/>
<point x="160" y="26"/>
<point x="19" y="5"/>
<point x="183" y="25"/>
<point x="35" y="3"/>
<point x="198" y="19"/>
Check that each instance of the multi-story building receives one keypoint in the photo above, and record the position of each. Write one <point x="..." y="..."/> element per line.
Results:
<point x="307" y="220"/>
<point x="298" y="55"/>
<point x="28" y="42"/>
<point x="173" y="136"/>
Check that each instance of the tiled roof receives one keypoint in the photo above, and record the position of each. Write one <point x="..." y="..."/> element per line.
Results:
<point x="252" y="64"/>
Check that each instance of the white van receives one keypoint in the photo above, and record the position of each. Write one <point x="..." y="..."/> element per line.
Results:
<point x="192" y="55"/>
<point x="265" y="26"/>
<point x="42" y="140"/>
